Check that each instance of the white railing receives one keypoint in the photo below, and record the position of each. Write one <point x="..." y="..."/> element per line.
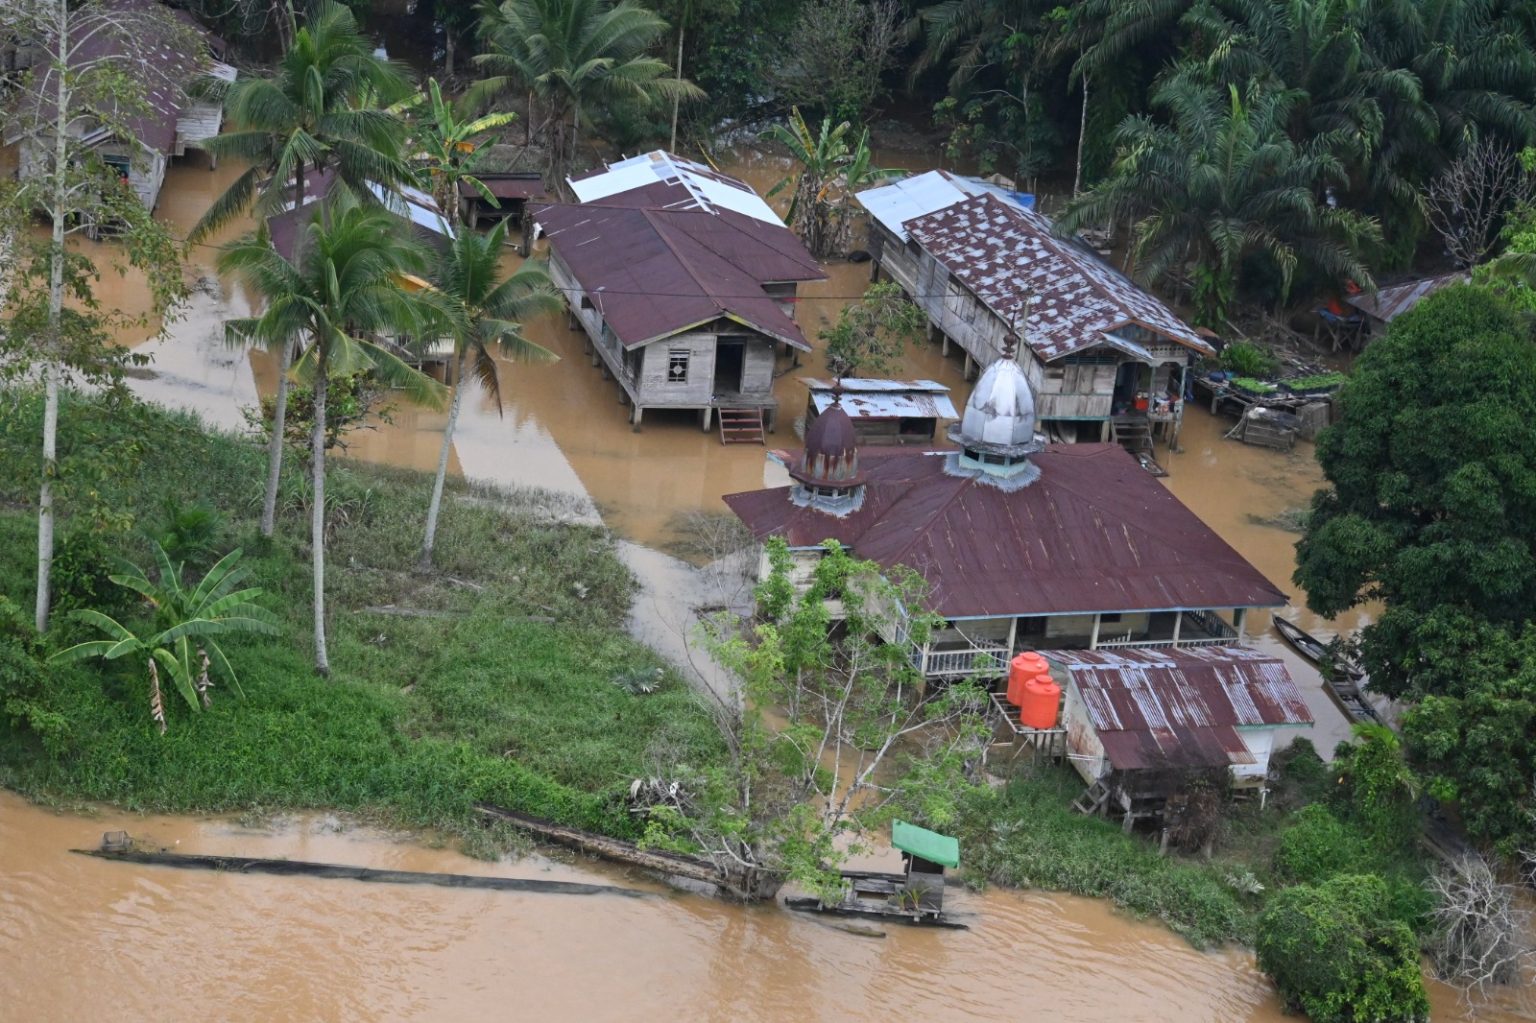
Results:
<point x="1167" y="641"/>
<point x="977" y="659"/>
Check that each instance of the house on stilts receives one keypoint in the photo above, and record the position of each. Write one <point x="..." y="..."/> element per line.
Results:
<point x="1107" y="360"/>
<point x="685" y="283"/>
<point x="172" y="120"/>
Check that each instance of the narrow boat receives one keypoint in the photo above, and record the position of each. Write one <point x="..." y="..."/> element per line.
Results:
<point x="913" y="897"/>
<point x="1343" y="682"/>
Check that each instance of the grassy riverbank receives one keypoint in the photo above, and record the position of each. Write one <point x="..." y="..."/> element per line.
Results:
<point x="488" y="678"/>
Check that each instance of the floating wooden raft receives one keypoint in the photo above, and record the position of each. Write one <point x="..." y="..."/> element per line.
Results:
<point x="116" y="846"/>
<point x="810" y="904"/>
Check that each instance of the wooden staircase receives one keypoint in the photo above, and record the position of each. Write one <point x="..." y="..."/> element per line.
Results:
<point x="1093" y="799"/>
<point x="1135" y="435"/>
<point x="741" y="426"/>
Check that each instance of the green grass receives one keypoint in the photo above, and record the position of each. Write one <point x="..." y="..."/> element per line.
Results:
<point x="1028" y="836"/>
<point x="498" y="689"/>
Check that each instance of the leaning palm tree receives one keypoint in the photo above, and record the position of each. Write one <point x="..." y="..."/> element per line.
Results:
<point x="187" y="620"/>
<point x="315" y="113"/>
<point x="342" y="286"/>
<point x="482" y="311"/>
<point x="451" y="148"/>
<point x="570" y="54"/>
<point x="1223" y="182"/>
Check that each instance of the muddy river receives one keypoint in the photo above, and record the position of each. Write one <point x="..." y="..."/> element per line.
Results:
<point x="85" y="939"/>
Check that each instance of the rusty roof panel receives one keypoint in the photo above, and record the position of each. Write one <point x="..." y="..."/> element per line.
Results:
<point x="1161" y="707"/>
<point x="654" y="272"/>
<point x="1094" y="533"/>
<point x="1389" y="303"/>
<point x="510" y="185"/>
<point x="1065" y="297"/>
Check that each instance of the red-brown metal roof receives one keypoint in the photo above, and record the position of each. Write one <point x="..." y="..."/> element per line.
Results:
<point x="141" y="45"/>
<point x="652" y="273"/>
<point x="1181" y="707"/>
<point x="1391" y="302"/>
<point x="515" y="185"/>
<point x="1064" y="297"/>
<point x="1094" y="533"/>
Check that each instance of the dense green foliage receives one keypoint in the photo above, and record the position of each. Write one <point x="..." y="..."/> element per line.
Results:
<point x="1338" y="956"/>
<point x="492" y="686"/>
<point x="1432" y="510"/>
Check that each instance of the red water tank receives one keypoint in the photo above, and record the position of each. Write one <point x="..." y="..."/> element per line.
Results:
<point x="1041" y="703"/>
<point x="1021" y="669"/>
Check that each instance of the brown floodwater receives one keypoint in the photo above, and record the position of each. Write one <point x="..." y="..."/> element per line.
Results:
<point x="85" y="939"/>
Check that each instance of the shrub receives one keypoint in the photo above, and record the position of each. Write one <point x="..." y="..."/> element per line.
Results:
<point x="1317" y="846"/>
<point x="1336" y="954"/>
<point x="1249" y="360"/>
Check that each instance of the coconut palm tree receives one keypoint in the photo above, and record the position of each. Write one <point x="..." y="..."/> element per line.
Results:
<point x="451" y="149"/>
<point x="569" y="54"/>
<point x="315" y="113"/>
<point x="187" y="620"/>
<point x="1223" y="182"/>
<point x="483" y="312"/>
<point x="343" y="285"/>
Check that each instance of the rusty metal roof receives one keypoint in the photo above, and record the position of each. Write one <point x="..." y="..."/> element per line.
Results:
<point x="1391" y="302"/>
<point x="1181" y="707"/>
<point x="865" y="398"/>
<point x="1094" y="533"/>
<point x="652" y="273"/>
<point x="1064" y="297"/>
<point x="510" y="185"/>
<point x="144" y="48"/>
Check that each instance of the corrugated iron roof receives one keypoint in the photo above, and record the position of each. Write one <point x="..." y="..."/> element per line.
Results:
<point x="1063" y="296"/>
<point x="673" y="182"/>
<point x="652" y="273"/>
<point x="1181" y="707"/>
<point x="1094" y="533"/>
<point x="148" y="54"/>
<point x="1391" y="302"/>
<point x="410" y="204"/>
<point x="512" y="185"/>
<point x="863" y="398"/>
<point x="895" y="204"/>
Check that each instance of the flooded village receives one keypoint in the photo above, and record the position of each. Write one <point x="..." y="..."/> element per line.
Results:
<point x="1012" y="595"/>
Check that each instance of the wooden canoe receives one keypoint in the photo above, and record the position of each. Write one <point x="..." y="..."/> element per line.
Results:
<point x="1343" y="682"/>
<point x="813" y="905"/>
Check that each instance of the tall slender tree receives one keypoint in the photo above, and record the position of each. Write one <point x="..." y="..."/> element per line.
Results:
<point x="482" y="311"/>
<point x="342" y="286"/>
<point x="319" y="112"/>
<point x="93" y="68"/>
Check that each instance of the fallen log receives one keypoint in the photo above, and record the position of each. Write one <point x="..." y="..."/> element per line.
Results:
<point x="614" y="849"/>
<point x="117" y="849"/>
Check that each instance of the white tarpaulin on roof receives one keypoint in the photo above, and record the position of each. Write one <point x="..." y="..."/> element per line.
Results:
<point x="707" y="187"/>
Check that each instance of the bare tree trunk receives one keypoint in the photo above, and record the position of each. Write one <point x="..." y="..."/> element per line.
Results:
<point x="56" y="256"/>
<point x="280" y="400"/>
<point x="677" y="99"/>
<point x="448" y="55"/>
<point x="442" y="464"/>
<point x="317" y="515"/>
<point x="1082" y="136"/>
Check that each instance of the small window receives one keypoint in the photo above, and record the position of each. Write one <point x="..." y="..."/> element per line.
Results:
<point x="1109" y="619"/>
<point x="677" y="365"/>
<point x="586" y="303"/>
<point x="1055" y="372"/>
<point x="912" y="245"/>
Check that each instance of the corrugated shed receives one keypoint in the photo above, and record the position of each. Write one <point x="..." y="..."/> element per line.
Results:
<point x="651" y="273"/>
<point x="864" y="398"/>
<point x="1063" y="297"/>
<point x="1094" y="533"/>
<point x="528" y="185"/>
<point x="1389" y="303"/>
<point x="674" y="183"/>
<point x="895" y="204"/>
<point x="1181" y="707"/>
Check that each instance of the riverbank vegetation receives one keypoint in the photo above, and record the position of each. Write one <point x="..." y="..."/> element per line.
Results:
<point x="489" y="679"/>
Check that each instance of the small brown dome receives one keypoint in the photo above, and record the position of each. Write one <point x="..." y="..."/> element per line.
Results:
<point x="831" y="455"/>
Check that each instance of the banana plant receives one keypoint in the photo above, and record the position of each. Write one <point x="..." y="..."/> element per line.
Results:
<point x="182" y="637"/>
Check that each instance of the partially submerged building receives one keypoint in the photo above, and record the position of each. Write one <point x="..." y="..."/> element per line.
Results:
<point x="884" y="412"/>
<point x="427" y="221"/>
<point x="1021" y="545"/>
<point x="686" y="301"/>
<point x="172" y="119"/>
<point x="512" y="192"/>
<point x="1100" y="353"/>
